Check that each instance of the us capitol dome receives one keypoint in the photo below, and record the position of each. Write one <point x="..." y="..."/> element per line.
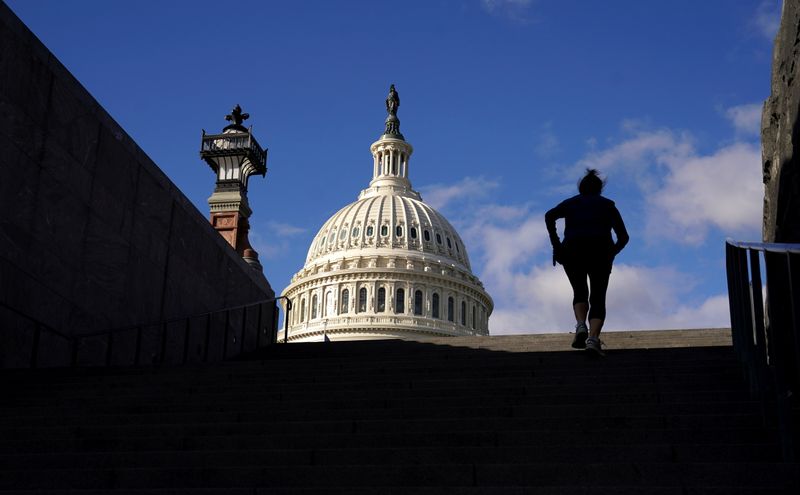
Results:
<point x="387" y="265"/>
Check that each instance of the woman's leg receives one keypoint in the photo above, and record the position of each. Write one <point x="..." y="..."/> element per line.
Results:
<point x="598" y="278"/>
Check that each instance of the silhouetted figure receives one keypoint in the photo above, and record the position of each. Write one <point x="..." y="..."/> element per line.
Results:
<point x="587" y="251"/>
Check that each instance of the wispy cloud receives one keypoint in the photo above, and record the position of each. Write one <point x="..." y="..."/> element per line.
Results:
<point x="516" y="10"/>
<point x="687" y="193"/>
<point x="284" y="229"/>
<point x="746" y="119"/>
<point x="273" y="240"/>
<point x="767" y="18"/>
<point x="639" y="298"/>
<point x="547" y="143"/>
<point x="469" y="188"/>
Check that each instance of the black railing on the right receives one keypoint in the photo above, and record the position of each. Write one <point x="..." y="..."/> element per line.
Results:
<point x="764" y="297"/>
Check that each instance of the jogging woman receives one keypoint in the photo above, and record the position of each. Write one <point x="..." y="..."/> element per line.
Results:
<point x="587" y="252"/>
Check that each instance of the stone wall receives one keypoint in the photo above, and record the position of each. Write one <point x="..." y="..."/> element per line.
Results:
<point x="780" y="133"/>
<point x="93" y="235"/>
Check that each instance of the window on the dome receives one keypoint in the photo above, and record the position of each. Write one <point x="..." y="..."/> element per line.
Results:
<point x="426" y="235"/>
<point x="463" y="313"/>
<point x="418" y="302"/>
<point x="473" y="317"/>
<point x="345" y="303"/>
<point x="400" y="302"/>
<point x="343" y="234"/>
<point x="355" y="231"/>
<point x="381" y="300"/>
<point x="398" y="231"/>
<point x="450" y="308"/>
<point x="303" y="309"/>
<point x="435" y="305"/>
<point x="322" y="242"/>
<point x="449" y="244"/>
<point x="332" y="238"/>
<point x="457" y="250"/>
<point x="384" y="230"/>
<point x="413" y="233"/>
<point x="362" y="300"/>
<point x="370" y="231"/>
<point x="314" y="307"/>
<point x="438" y="239"/>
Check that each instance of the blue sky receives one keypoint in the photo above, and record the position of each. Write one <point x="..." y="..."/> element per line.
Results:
<point x="505" y="103"/>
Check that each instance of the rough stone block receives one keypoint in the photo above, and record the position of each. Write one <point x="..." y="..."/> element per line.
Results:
<point x="54" y="351"/>
<point x="24" y="74"/>
<point x="16" y="339"/>
<point x="34" y="298"/>
<point x="24" y="133"/>
<point x="65" y="172"/>
<point x="60" y="218"/>
<point x="92" y="350"/>
<point x="106" y="256"/>
<point x="173" y="351"/>
<point x="123" y="347"/>
<point x="116" y="215"/>
<point x="144" y="282"/>
<point x="151" y="218"/>
<point x="116" y="169"/>
<point x="72" y="123"/>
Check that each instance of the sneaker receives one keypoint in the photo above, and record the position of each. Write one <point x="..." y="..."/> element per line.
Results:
<point x="594" y="346"/>
<point x="581" y="332"/>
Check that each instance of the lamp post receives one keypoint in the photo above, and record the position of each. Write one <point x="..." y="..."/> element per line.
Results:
<point x="234" y="155"/>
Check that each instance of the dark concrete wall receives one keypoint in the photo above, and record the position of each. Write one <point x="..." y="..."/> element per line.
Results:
<point x="93" y="235"/>
<point x="780" y="133"/>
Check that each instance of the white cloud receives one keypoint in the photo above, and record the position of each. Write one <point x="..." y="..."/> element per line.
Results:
<point x="516" y="10"/>
<point x="639" y="298"/>
<point x="767" y="18"/>
<point x="276" y="242"/>
<point x="746" y="119"/>
<point x="687" y="193"/>
<point x="440" y="195"/>
<point x="547" y="143"/>
<point x="721" y="190"/>
<point x="284" y="229"/>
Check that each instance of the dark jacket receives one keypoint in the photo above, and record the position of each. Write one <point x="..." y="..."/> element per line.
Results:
<point x="589" y="220"/>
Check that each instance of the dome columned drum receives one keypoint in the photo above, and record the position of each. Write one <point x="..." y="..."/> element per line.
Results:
<point x="387" y="265"/>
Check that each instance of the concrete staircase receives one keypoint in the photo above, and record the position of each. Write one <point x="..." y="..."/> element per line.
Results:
<point x="510" y="415"/>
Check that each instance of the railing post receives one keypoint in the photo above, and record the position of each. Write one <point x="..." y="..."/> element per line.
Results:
<point x="138" y="352"/>
<point x="244" y="330"/>
<point x="286" y="321"/>
<point x="109" y="348"/>
<point x="37" y="335"/>
<point x="164" y="342"/>
<point x="760" y="348"/>
<point x="74" y="352"/>
<point x="208" y="337"/>
<point x="225" y="341"/>
<point x="258" y="327"/>
<point x="186" y="340"/>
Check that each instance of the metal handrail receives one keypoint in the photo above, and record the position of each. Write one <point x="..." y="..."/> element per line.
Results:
<point x="74" y="341"/>
<point x="765" y="329"/>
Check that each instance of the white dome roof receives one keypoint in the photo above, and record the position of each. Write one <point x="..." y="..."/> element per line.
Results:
<point x="387" y="265"/>
<point x="388" y="222"/>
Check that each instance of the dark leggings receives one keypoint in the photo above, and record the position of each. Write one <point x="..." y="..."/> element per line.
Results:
<point x="597" y="271"/>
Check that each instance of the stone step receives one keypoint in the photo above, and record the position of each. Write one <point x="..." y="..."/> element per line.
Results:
<point x="447" y="490"/>
<point x="404" y="395"/>
<point x="609" y="474"/>
<point x="531" y="409"/>
<point x="415" y="455"/>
